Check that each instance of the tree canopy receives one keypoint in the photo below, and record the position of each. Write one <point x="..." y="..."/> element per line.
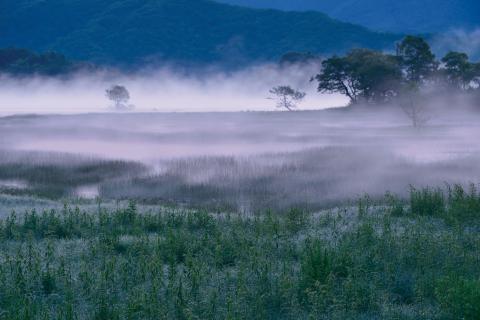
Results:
<point x="361" y="74"/>
<point x="417" y="59"/>
<point x="459" y="71"/>
<point x="120" y="96"/>
<point x="375" y="77"/>
<point x="24" y="62"/>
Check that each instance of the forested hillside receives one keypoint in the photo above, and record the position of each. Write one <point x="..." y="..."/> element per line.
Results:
<point x="412" y="16"/>
<point x="193" y="31"/>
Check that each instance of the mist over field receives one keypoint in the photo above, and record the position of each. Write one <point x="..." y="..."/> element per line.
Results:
<point x="240" y="160"/>
<point x="162" y="89"/>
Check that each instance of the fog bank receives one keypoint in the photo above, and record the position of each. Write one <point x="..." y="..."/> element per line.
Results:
<point x="165" y="90"/>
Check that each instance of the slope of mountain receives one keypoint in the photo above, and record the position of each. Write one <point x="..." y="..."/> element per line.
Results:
<point x="417" y="16"/>
<point x="194" y="31"/>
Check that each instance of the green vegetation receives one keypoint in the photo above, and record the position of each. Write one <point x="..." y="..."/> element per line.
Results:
<point x="375" y="77"/>
<point x="187" y="31"/>
<point x="390" y="261"/>
<point x="24" y="62"/>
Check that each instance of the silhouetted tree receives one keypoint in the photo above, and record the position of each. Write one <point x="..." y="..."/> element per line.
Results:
<point x="338" y="76"/>
<point x="417" y="59"/>
<point x="363" y="74"/>
<point x="378" y="74"/>
<point x="120" y="96"/>
<point x="287" y="97"/>
<point x="459" y="71"/>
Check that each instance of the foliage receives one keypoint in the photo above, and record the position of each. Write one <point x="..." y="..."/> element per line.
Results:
<point x="24" y="62"/>
<point x="460" y="73"/>
<point x="417" y="59"/>
<point x="119" y="95"/>
<point x="132" y="263"/>
<point x="361" y="75"/>
<point x="376" y="77"/>
<point x="287" y="97"/>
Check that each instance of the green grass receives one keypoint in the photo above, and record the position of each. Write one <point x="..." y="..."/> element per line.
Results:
<point x="369" y="262"/>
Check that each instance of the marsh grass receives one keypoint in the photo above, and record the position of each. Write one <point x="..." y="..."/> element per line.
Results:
<point x="371" y="262"/>
<point x="55" y="176"/>
<point x="454" y="204"/>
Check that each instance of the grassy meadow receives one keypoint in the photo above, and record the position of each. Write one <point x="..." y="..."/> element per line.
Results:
<point x="413" y="260"/>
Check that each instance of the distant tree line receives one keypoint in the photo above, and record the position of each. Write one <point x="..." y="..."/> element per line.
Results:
<point x="370" y="76"/>
<point x="19" y="62"/>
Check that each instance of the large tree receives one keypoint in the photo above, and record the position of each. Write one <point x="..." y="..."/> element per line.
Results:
<point x="459" y="71"/>
<point x="361" y="75"/>
<point x="337" y="76"/>
<point x="417" y="59"/>
<point x="378" y="75"/>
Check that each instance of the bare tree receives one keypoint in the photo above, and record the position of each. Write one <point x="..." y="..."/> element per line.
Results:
<point x="415" y="111"/>
<point x="120" y="96"/>
<point x="287" y="97"/>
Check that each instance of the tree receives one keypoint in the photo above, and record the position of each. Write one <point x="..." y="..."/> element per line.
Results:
<point x="337" y="76"/>
<point x="476" y="80"/>
<point x="417" y="59"/>
<point x="413" y="108"/>
<point x="286" y="97"/>
<point x="378" y="75"/>
<point x="120" y="96"/>
<point x="459" y="72"/>
<point x="361" y="75"/>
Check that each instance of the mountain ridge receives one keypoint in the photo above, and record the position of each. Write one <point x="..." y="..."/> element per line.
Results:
<point x="406" y="16"/>
<point x="191" y="31"/>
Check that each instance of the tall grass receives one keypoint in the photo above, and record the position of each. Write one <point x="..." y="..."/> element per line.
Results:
<point x="188" y="264"/>
<point x="454" y="203"/>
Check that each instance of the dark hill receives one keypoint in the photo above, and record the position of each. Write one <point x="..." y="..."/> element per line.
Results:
<point x="191" y="31"/>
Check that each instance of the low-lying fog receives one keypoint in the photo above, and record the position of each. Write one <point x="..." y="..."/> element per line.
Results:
<point x="163" y="90"/>
<point x="244" y="160"/>
<point x="148" y="137"/>
<point x="240" y="160"/>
